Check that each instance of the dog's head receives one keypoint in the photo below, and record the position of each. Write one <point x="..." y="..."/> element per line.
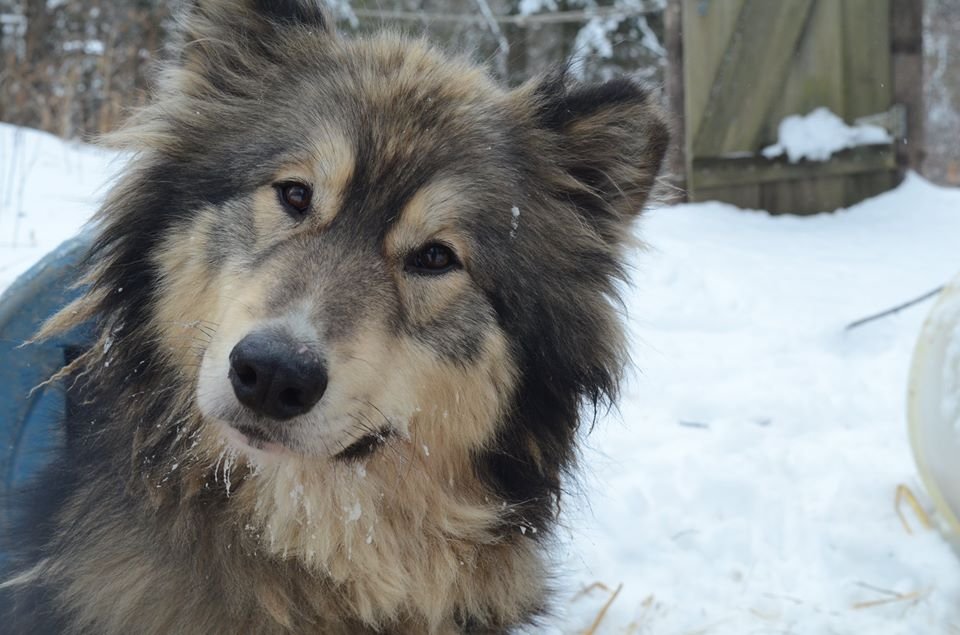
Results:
<point x="339" y="244"/>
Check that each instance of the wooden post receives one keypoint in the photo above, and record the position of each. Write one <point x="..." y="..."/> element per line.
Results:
<point x="906" y="47"/>
<point x="673" y="39"/>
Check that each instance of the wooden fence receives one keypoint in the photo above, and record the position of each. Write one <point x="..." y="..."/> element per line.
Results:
<point x="739" y="67"/>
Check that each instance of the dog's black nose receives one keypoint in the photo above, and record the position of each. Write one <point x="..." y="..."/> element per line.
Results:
<point x="276" y="376"/>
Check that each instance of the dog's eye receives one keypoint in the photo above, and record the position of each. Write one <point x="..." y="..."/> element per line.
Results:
<point x="432" y="260"/>
<point x="295" y="197"/>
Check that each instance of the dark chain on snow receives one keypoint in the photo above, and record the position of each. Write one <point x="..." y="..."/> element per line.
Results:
<point x="896" y="309"/>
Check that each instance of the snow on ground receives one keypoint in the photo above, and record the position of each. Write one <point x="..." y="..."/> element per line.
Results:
<point x="746" y="484"/>
<point x="48" y="189"/>
<point x="819" y="135"/>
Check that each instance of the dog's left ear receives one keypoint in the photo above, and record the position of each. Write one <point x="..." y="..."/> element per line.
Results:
<point x="608" y="140"/>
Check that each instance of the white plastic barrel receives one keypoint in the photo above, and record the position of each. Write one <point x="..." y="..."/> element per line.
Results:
<point x="933" y="407"/>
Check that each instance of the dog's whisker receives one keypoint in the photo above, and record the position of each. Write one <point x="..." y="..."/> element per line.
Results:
<point x="362" y="360"/>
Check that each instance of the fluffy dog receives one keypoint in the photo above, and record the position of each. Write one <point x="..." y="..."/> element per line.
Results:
<point x="352" y="299"/>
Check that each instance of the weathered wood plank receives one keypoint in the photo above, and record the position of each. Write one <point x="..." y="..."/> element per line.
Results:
<point x="866" y="57"/>
<point x="712" y="172"/>
<point x="906" y="23"/>
<point x="673" y="83"/>
<point x="743" y="196"/>
<point x="862" y="186"/>
<point x="750" y="75"/>
<point x="707" y="28"/>
<point x="807" y="196"/>
<point x="815" y="78"/>
<point x="906" y="26"/>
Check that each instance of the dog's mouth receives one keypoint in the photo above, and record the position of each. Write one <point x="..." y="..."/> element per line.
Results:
<point x="246" y="437"/>
<point x="250" y="438"/>
<point x="255" y="438"/>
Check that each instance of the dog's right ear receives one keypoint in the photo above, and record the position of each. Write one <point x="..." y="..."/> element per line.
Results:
<point x="228" y="47"/>
<point x="308" y="13"/>
<point x="234" y="33"/>
<point x="260" y="16"/>
<point x="224" y="54"/>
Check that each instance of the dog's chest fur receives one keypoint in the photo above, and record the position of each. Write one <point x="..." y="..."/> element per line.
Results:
<point x="293" y="550"/>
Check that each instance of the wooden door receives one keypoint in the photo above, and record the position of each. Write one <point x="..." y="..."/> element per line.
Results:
<point x="747" y="64"/>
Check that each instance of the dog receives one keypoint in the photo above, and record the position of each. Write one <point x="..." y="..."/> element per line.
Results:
<point x="352" y="302"/>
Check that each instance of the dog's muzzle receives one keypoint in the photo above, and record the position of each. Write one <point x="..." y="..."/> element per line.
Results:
<point x="275" y="375"/>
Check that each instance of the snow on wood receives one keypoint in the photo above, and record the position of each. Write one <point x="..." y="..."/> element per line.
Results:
<point x="819" y="135"/>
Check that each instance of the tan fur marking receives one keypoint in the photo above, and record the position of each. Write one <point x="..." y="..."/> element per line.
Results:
<point x="328" y="169"/>
<point x="189" y="297"/>
<point x="276" y="604"/>
<point x="434" y="213"/>
<point x="408" y="62"/>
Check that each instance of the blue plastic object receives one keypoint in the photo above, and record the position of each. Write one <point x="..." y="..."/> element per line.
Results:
<point x="31" y="422"/>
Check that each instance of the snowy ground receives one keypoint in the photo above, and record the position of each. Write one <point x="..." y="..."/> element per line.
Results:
<point x="747" y="483"/>
<point x="48" y="190"/>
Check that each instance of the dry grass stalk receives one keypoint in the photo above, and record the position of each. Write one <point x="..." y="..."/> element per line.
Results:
<point x="914" y="596"/>
<point x="904" y="494"/>
<point x="592" y="629"/>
